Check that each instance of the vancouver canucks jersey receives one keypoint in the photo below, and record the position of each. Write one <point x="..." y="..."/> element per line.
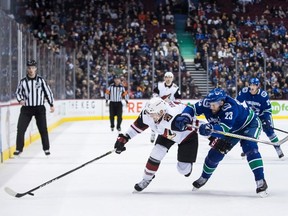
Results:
<point x="232" y="117"/>
<point x="164" y="127"/>
<point x="259" y="102"/>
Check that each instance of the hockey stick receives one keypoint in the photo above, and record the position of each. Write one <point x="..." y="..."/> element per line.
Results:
<point x="237" y="136"/>
<point x="280" y="130"/>
<point x="18" y="195"/>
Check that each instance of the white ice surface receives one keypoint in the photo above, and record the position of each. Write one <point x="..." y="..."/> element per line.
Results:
<point x="105" y="187"/>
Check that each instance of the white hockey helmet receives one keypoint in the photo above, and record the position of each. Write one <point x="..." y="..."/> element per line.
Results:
<point x="169" y="74"/>
<point x="156" y="108"/>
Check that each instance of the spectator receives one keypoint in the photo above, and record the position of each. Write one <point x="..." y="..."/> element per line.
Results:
<point x="198" y="61"/>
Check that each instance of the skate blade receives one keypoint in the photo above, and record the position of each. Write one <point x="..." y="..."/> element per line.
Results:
<point x="16" y="156"/>
<point x="263" y="194"/>
<point x="195" y="189"/>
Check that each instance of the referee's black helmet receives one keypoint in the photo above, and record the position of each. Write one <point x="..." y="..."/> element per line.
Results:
<point x="31" y="63"/>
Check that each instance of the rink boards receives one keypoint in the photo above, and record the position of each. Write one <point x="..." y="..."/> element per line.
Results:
<point x="79" y="110"/>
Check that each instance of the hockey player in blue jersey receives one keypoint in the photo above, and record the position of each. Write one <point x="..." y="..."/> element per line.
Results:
<point x="258" y="100"/>
<point x="226" y="114"/>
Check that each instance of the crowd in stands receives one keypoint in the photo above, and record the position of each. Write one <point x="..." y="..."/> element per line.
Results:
<point x="114" y="30"/>
<point x="234" y="45"/>
<point x="248" y="41"/>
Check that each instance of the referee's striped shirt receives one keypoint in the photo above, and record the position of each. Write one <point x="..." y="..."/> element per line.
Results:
<point x="116" y="93"/>
<point x="34" y="91"/>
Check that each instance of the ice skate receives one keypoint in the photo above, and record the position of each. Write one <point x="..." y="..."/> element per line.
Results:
<point x="262" y="188"/>
<point x="47" y="152"/>
<point x="190" y="171"/>
<point x="142" y="185"/>
<point x="199" y="183"/>
<point x="279" y="151"/>
<point x="188" y="174"/>
<point x="17" y="153"/>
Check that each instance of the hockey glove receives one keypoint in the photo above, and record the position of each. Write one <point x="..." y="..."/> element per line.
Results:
<point x="121" y="141"/>
<point x="194" y="125"/>
<point x="222" y="145"/>
<point x="180" y="123"/>
<point x="267" y="124"/>
<point x="205" y="129"/>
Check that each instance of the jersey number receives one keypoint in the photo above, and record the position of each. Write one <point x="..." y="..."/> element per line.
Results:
<point x="167" y="117"/>
<point x="229" y="115"/>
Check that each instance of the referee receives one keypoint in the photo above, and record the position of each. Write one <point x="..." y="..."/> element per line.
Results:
<point x="31" y="94"/>
<point x="115" y="93"/>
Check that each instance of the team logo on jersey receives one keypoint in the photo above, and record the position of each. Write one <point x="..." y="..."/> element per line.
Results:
<point x="264" y="94"/>
<point x="245" y="90"/>
<point x="169" y="134"/>
<point x="212" y="120"/>
<point x="37" y="85"/>
<point x="204" y="102"/>
<point x="226" y="106"/>
<point x="166" y="97"/>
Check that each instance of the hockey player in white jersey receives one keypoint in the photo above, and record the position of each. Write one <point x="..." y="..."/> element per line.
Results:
<point x="159" y="116"/>
<point x="259" y="101"/>
<point x="168" y="91"/>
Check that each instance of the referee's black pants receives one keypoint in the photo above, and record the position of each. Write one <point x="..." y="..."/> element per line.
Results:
<point x="26" y="114"/>
<point x="115" y="109"/>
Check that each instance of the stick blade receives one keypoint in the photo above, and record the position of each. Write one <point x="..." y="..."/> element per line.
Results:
<point x="10" y="192"/>
<point x="285" y="139"/>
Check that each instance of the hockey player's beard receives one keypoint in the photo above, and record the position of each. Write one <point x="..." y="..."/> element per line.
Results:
<point x="215" y="107"/>
<point x="215" y="111"/>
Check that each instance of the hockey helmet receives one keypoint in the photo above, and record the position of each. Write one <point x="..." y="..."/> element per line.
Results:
<point x="31" y="63"/>
<point x="216" y="95"/>
<point x="116" y="77"/>
<point x="169" y="74"/>
<point x="155" y="105"/>
<point x="254" y="81"/>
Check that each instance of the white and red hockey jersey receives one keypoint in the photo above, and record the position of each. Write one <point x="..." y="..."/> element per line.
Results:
<point x="164" y="126"/>
<point x="168" y="93"/>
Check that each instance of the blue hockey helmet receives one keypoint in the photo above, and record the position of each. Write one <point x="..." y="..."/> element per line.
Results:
<point x="216" y="95"/>
<point x="254" y="81"/>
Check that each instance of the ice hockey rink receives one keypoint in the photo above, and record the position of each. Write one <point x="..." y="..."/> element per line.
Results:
<point x="105" y="187"/>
